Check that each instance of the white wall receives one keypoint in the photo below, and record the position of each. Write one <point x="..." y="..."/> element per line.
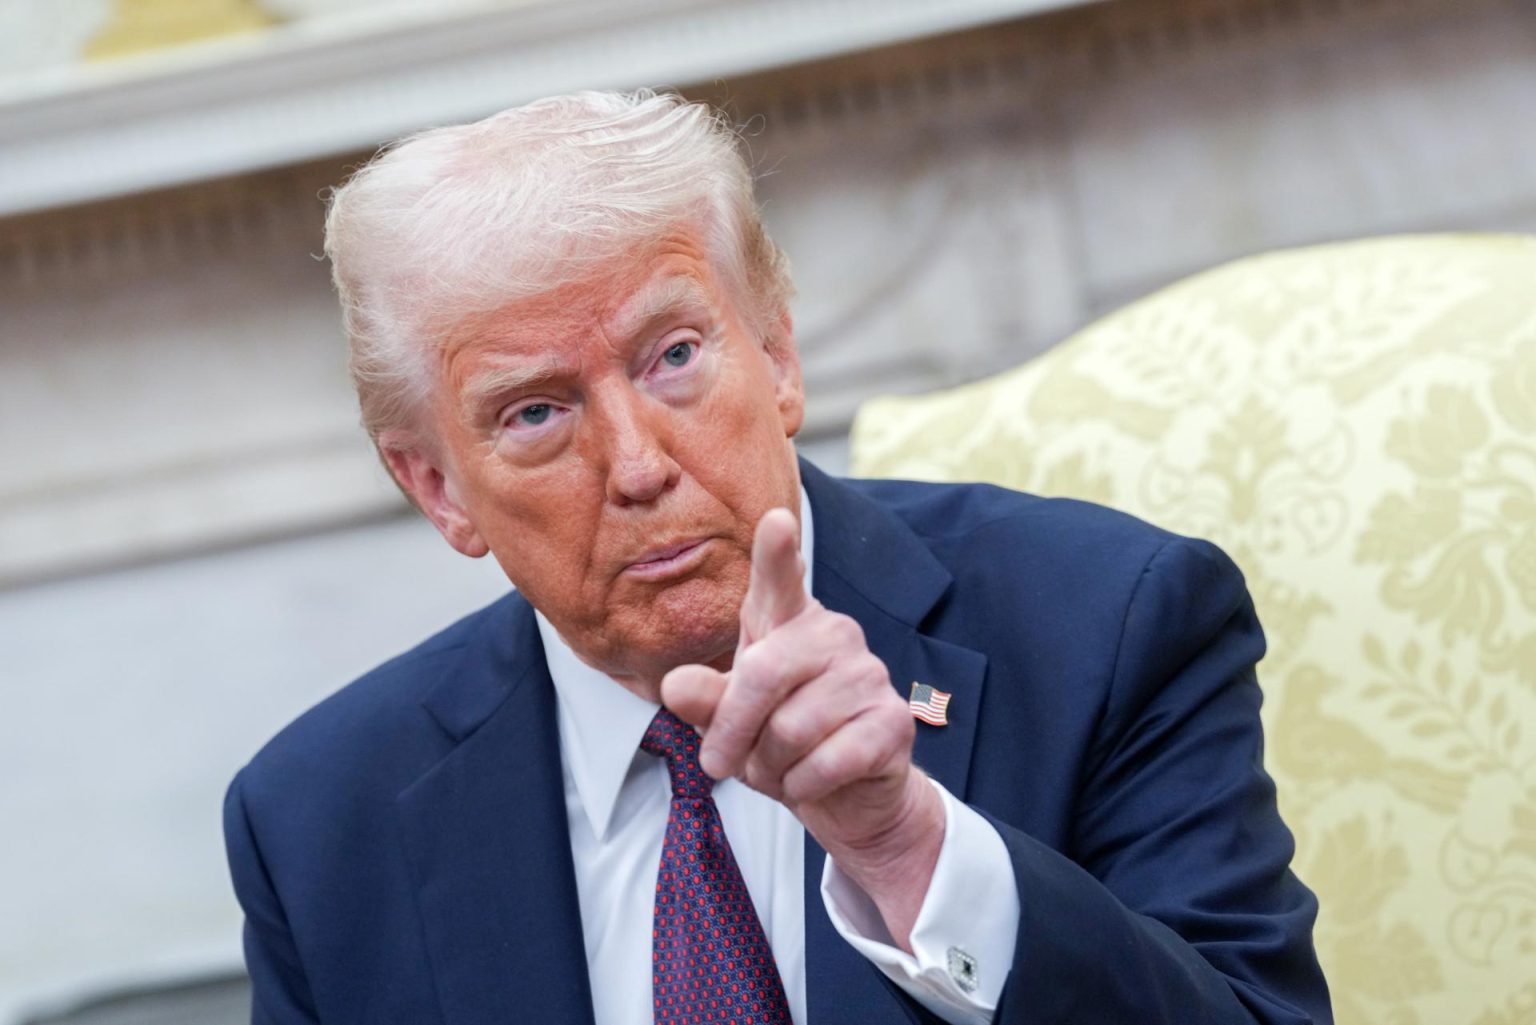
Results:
<point x="129" y="699"/>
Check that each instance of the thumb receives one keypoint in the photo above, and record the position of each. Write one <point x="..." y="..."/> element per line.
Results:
<point x="692" y="692"/>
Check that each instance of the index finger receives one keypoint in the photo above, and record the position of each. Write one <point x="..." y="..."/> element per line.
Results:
<point x="776" y="591"/>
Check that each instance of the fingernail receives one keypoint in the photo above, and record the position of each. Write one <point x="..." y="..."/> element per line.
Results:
<point x="712" y="764"/>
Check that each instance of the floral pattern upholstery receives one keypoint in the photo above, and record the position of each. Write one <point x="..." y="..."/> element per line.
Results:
<point x="1356" y="425"/>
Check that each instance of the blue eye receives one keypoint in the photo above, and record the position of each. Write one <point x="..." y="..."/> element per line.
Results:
<point x="535" y="414"/>
<point x="678" y="355"/>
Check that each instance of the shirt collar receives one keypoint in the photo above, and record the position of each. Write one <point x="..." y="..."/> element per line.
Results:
<point x="601" y="722"/>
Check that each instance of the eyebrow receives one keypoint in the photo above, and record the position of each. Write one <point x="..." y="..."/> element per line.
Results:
<point x="489" y="386"/>
<point x="658" y="300"/>
<point x="651" y="303"/>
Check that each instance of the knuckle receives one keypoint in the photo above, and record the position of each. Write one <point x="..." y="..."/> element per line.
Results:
<point x="751" y="663"/>
<point x="845" y="630"/>
<point x="793" y="732"/>
<point x="891" y="704"/>
<point x="760" y="778"/>
<point x="866" y="753"/>
<point x="806" y="783"/>
<point x="896" y="727"/>
<point x="758" y="669"/>
<point x="839" y="767"/>
<point x="872" y="672"/>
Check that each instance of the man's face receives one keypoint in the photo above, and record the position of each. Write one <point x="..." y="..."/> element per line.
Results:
<point x="613" y="443"/>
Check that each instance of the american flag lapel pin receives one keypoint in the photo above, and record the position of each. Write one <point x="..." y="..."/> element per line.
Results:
<point x="929" y="705"/>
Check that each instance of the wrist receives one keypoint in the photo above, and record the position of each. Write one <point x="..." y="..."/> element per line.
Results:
<point x="895" y="864"/>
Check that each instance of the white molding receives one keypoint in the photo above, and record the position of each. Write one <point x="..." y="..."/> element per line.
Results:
<point x="166" y="510"/>
<point x="1042" y="148"/>
<point x="295" y="95"/>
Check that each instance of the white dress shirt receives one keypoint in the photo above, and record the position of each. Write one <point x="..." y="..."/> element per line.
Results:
<point x="617" y="798"/>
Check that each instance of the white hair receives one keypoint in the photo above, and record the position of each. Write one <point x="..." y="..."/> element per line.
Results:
<point x="457" y="222"/>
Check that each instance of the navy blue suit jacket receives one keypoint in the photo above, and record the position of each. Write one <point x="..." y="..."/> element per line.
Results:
<point x="402" y="854"/>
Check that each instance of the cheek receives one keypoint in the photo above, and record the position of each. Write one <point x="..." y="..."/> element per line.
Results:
<point x="742" y="405"/>
<point x="534" y="522"/>
<point x="545" y="571"/>
<point x="736" y="456"/>
<point x="749" y="451"/>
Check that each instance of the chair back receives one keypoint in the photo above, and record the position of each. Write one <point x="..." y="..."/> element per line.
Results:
<point x="1356" y="425"/>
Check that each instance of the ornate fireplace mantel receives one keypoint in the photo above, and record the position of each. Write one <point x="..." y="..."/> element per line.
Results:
<point x="960" y="184"/>
<point x="349" y="82"/>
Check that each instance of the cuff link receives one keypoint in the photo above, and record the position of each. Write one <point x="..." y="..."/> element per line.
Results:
<point x="962" y="969"/>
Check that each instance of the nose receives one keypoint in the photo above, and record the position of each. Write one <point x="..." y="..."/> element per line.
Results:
<point x="640" y="463"/>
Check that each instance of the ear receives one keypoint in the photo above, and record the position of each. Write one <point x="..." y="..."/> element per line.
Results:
<point x="422" y="477"/>
<point x="788" y="388"/>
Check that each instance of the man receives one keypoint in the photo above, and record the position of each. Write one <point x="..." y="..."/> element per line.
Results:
<point x="572" y="347"/>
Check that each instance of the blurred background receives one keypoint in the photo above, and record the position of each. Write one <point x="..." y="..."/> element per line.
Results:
<point x="195" y="541"/>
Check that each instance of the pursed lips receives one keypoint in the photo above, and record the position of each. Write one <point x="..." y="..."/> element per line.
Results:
<point x="672" y="557"/>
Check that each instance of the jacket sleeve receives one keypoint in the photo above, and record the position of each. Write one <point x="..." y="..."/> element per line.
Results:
<point x="279" y="991"/>
<point x="1176" y="903"/>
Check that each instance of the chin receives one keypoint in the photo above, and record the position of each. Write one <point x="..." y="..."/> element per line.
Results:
<point x="685" y="626"/>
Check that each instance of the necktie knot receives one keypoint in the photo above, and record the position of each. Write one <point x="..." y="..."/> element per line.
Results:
<point x="670" y="738"/>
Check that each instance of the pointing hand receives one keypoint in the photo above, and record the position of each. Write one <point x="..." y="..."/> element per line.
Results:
<point x="808" y="716"/>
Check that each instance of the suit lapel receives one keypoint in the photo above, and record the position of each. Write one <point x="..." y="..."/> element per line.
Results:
<point x="871" y="566"/>
<point x="487" y="840"/>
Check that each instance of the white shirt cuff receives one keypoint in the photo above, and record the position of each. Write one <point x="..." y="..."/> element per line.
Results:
<point x="963" y="939"/>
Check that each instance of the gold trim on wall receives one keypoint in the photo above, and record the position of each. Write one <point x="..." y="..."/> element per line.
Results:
<point x="139" y="26"/>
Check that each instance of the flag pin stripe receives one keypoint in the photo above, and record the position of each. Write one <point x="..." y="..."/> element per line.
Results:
<point x="928" y="704"/>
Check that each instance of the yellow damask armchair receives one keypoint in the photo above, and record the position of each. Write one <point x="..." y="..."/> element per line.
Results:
<point x="1356" y="425"/>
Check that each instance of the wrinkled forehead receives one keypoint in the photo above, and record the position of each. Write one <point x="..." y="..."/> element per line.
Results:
<point x="617" y="300"/>
<point x="674" y="272"/>
<point x="670" y="292"/>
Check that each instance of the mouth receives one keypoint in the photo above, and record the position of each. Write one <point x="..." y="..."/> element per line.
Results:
<point x="670" y="560"/>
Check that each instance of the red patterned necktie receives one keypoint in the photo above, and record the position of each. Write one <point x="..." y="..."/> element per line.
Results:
<point x="710" y="961"/>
